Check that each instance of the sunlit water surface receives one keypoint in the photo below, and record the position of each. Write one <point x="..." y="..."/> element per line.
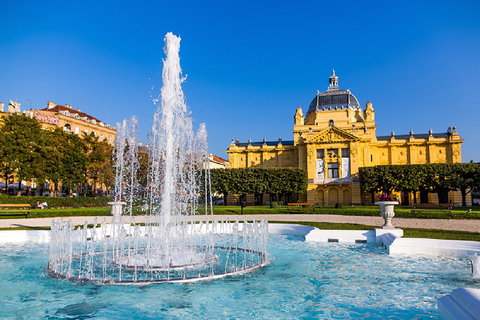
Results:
<point x="304" y="280"/>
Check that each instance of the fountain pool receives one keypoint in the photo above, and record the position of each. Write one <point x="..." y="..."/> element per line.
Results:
<point x="303" y="280"/>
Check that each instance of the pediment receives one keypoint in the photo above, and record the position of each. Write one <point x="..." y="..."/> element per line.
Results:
<point x="332" y="135"/>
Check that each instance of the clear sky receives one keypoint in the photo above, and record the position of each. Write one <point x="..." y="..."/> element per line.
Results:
<point x="249" y="64"/>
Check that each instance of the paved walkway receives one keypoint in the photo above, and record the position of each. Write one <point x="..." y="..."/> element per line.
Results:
<point x="460" y="225"/>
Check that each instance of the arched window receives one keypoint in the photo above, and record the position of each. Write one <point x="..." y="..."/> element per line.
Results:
<point x="109" y="139"/>
<point x="331" y="123"/>
<point x="67" y="113"/>
<point x="67" y="127"/>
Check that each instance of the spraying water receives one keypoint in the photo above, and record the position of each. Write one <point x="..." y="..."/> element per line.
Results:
<point x="172" y="245"/>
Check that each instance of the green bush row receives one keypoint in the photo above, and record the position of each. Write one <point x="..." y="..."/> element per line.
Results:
<point x="57" y="202"/>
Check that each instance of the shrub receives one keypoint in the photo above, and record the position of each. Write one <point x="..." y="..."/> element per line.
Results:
<point x="58" y="202"/>
<point x="274" y="205"/>
<point x="338" y="205"/>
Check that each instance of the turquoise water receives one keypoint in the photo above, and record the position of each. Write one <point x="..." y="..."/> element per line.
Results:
<point x="303" y="280"/>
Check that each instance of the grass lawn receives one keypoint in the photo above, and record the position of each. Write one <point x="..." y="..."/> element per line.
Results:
<point x="67" y="212"/>
<point x="457" y="212"/>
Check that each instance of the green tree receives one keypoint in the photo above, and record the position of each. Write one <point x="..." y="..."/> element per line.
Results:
<point x="221" y="181"/>
<point x="436" y="177"/>
<point x="143" y="166"/>
<point x="413" y="179"/>
<point x="99" y="166"/>
<point x="65" y="160"/>
<point x="21" y="145"/>
<point x="369" y="181"/>
<point x="463" y="177"/>
<point x="259" y="180"/>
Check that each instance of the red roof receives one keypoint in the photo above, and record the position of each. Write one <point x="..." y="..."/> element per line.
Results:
<point x="72" y="111"/>
<point x="218" y="159"/>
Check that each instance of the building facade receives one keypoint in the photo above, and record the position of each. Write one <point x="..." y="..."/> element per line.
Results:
<point x="335" y="138"/>
<point x="73" y="121"/>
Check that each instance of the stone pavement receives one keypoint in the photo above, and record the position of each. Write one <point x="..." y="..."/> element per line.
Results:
<point x="460" y="225"/>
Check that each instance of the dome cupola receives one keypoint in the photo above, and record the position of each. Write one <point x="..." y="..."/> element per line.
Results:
<point x="333" y="80"/>
<point x="334" y="98"/>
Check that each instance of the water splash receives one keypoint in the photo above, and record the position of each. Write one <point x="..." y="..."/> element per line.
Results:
<point x="171" y="245"/>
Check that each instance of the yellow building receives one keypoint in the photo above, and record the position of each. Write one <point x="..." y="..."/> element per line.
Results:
<point x="73" y="121"/>
<point x="335" y="138"/>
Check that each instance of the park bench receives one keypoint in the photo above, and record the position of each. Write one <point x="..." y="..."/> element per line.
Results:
<point x="301" y="206"/>
<point x="432" y="207"/>
<point x="15" y="209"/>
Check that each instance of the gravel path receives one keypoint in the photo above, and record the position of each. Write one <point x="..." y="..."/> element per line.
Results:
<point x="460" y="225"/>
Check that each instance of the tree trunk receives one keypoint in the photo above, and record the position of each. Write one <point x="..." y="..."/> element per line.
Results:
<point x="6" y="184"/>
<point x="19" y="191"/>
<point x="225" y="195"/>
<point x="464" y="197"/>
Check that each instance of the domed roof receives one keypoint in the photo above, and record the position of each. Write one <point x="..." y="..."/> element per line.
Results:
<point x="334" y="98"/>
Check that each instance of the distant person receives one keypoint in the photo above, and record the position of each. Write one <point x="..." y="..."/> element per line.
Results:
<point x="44" y="205"/>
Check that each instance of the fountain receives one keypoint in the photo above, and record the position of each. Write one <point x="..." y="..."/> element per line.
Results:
<point x="179" y="240"/>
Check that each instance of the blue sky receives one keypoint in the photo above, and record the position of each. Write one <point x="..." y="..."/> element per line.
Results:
<point x="249" y="64"/>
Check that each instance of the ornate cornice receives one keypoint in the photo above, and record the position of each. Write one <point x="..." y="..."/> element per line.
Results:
<point x="332" y="135"/>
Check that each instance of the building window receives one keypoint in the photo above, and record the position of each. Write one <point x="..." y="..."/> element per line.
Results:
<point x="320" y="153"/>
<point x="101" y="137"/>
<point x="77" y="130"/>
<point x="333" y="152"/>
<point x="345" y="153"/>
<point x="109" y="139"/>
<point x="67" y="127"/>
<point x="86" y="131"/>
<point x="331" y="123"/>
<point x="333" y="170"/>
<point x="66" y="113"/>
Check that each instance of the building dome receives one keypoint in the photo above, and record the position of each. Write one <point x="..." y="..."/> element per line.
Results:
<point x="333" y="98"/>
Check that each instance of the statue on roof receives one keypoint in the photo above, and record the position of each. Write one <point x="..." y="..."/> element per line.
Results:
<point x="369" y="112"/>
<point x="298" y="118"/>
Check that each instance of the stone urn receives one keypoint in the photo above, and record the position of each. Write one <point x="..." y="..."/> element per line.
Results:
<point x="116" y="208"/>
<point x="387" y="213"/>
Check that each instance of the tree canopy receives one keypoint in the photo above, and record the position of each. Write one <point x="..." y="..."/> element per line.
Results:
<point x="436" y="177"/>
<point x="21" y="144"/>
<point x="29" y="152"/>
<point x="259" y="180"/>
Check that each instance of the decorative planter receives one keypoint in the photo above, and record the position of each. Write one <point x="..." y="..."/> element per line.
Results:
<point x="387" y="213"/>
<point x="116" y="208"/>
